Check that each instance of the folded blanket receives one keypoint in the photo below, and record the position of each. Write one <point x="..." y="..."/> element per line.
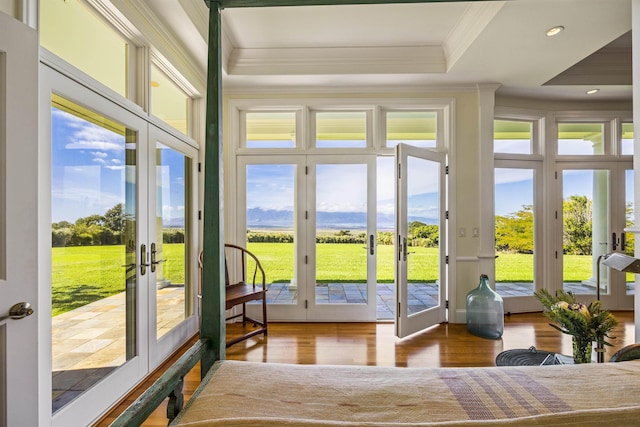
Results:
<point x="267" y="394"/>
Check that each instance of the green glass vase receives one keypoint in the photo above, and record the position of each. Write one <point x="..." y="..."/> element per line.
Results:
<point x="485" y="311"/>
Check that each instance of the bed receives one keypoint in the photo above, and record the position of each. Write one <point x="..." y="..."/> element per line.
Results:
<point x="250" y="394"/>
<point x="266" y="394"/>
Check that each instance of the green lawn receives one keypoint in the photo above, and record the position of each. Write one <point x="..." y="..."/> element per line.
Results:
<point x="85" y="274"/>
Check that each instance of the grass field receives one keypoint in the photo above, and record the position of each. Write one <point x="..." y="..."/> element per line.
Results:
<point x="85" y="274"/>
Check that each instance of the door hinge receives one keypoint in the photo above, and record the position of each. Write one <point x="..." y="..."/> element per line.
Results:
<point x="556" y="254"/>
<point x="199" y="215"/>
<point x="399" y="171"/>
<point x="306" y="170"/>
<point x="446" y="259"/>
<point x="306" y="304"/>
<point x="306" y="214"/>
<point x="556" y="214"/>
<point x="199" y="167"/>
<point x="446" y="170"/>
<point x="446" y="304"/>
<point x="556" y="174"/>
<point x="446" y="215"/>
<point x="306" y="259"/>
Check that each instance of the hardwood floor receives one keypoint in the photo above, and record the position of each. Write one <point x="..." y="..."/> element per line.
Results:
<point x="444" y="345"/>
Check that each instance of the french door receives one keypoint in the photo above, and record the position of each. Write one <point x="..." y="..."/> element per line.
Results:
<point x="121" y="288"/>
<point x="311" y="222"/>
<point x="420" y="247"/>
<point x="21" y="398"/>
<point x="596" y="206"/>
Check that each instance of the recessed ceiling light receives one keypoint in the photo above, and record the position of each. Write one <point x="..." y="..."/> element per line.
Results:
<point x="592" y="91"/>
<point x="554" y="31"/>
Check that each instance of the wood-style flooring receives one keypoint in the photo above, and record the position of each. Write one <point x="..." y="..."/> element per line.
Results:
<point x="444" y="345"/>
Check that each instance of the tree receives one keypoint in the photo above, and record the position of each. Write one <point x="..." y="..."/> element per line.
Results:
<point x="514" y="233"/>
<point x="114" y="219"/>
<point x="578" y="226"/>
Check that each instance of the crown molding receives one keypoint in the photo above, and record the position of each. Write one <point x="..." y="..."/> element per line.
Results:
<point x="473" y="22"/>
<point x="141" y="20"/>
<point x="346" y="60"/>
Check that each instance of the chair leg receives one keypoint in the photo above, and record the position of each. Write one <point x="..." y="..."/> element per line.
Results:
<point x="264" y="313"/>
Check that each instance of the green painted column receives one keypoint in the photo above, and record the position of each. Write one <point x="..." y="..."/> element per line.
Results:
<point x="213" y="314"/>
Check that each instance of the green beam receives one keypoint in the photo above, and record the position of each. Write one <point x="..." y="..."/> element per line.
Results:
<point x="213" y="315"/>
<point x="225" y="4"/>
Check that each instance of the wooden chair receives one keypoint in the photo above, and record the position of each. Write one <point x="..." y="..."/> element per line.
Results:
<point x="245" y="281"/>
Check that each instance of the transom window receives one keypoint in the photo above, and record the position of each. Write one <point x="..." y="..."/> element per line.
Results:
<point x="417" y="128"/>
<point x="70" y="30"/>
<point x="168" y="101"/>
<point x="342" y="129"/>
<point x="270" y="129"/>
<point x="513" y="137"/>
<point x="581" y="139"/>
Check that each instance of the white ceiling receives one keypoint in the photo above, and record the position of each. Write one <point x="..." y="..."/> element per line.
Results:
<point x="418" y="46"/>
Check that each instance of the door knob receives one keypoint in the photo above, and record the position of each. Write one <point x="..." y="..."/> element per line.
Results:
<point x="19" y="311"/>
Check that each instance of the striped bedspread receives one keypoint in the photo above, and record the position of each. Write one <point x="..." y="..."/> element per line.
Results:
<point x="266" y="394"/>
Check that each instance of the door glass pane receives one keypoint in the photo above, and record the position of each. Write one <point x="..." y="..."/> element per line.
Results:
<point x="629" y="237"/>
<point x="385" y="255"/>
<point x="627" y="139"/>
<point x="423" y="219"/>
<point x="271" y="220"/>
<point x="341" y="129"/>
<point x="270" y="130"/>
<point x="514" y="232"/>
<point x="585" y="219"/>
<point x="169" y="253"/>
<point x="168" y="101"/>
<point x="418" y="128"/>
<point x="511" y="136"/>
<point x="93" y="283"/>
<point x="580" y="138"/>
<point x="341" y="234"/>
<point x="72" y="31"/>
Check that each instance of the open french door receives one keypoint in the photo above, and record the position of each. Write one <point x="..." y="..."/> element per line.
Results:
<point x="420" y="239"/>
<point x="20" y="401"/>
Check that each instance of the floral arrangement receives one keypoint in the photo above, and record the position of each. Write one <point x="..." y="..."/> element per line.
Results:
<point x="586" y="323"/>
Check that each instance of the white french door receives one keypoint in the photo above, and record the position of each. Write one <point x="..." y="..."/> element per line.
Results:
<point x="342" y="225"/>
<point x="121" y="281"/>
<point x="420" y="239"/>
<point x="173" y="246"/>
<point x="596" y="198"/>
<point x="21" y="398"/>
<point x="311" y="222"/>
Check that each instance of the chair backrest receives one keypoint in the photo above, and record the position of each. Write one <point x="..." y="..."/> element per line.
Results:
<point x="242" y="266"/>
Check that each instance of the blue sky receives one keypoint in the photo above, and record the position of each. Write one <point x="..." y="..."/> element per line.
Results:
<point x="89" y="172"/>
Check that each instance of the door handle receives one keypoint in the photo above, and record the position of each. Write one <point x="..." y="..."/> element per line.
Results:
<point x="154" y="262"/>
<point x="614" y="241"/>
<point x="19" y="311"/>
<point x="623" y="241"/>
<point x="143" y="259"/>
